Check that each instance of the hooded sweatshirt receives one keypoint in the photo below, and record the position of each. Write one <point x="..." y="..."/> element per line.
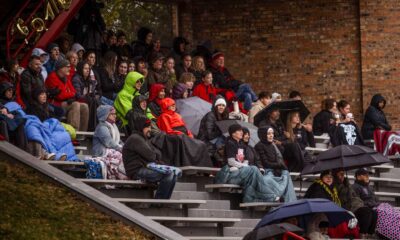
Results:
<point x="137" y="112"/>
<point x="171" y="122"/>
<point x="374" y="118"/>
<point x="154" y="101"/>
<point x="123" y="102"/>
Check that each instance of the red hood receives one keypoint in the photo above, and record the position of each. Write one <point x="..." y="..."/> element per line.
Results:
<point x="155" y="90"/>
<point x="166" y="103"/>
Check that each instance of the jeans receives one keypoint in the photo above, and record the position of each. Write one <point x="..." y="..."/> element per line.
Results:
<point x="246" y="94"/>
<point x="166" y="182"/>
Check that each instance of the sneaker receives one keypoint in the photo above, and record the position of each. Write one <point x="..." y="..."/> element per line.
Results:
<point x="63" y="157"/>
<point x="49" y="156"/>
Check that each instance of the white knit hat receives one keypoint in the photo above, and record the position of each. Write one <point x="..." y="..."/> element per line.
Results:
<point x="274" y="96"/>
<point x="220" y="101"/>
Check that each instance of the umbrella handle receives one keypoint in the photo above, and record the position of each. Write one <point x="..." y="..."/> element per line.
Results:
<point x="292" y="235"/>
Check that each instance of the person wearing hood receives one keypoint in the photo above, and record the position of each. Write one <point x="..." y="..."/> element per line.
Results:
<point x="131" y="88"/>
<point x="180" y="91"/>
<point x="79" y="50"/>
<point x="140" y="109"/>
<point x="107" y="144"/>
<point x="209" y="131"/>
<point x="54" y="55"/>
<point x="158" y="74"/>
<point x="139" y="155"/>
<point x="142" y="46"/>
<point x="60" y="83"/>
<point x="178" y="49"/>
<point x="374" y="117"/>
<point x="86" y="91"/>
<point x="272" y="166"/>
<point x="11" y="74"/>
<point x="6" y="92"/>
<point x="170" y="121"/>
<point x="223" y="79"/>
<point x="44" y="57"/>
<point x="157" y="94"/>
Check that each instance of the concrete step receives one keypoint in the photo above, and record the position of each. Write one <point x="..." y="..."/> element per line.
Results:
<point x="210" y="231"/>
<point x="193" y="212"/>
<point x="233" y="197"/>
<point x="213" y="238"/>
<point x="185" y="186"/>
<point x="165" y="212"/>
<point x="216" y="204"/>
<point x="247" y="223"/>
<point x="236" y="231"/>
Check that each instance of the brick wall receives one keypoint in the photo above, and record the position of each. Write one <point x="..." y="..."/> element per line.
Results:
<point x="380" y="35"/>
<point x="307" y="45"/>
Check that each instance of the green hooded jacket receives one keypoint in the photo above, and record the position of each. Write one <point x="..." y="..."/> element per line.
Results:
<point x="123" y="102"/>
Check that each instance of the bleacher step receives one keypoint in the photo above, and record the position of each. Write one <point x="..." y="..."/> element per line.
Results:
<point x="236" y="231"/>
<point x="247" y="223"/>
<point x="213" y="238"/>
<point x="219" y="213"/>
<point x="216" y="204"/>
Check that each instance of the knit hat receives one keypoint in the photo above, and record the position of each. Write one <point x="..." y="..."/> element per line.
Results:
<point x="216" y="55"/>
<point x="234" y="128"/>
<point x="103" y="111"/>
<point x="61" y="63"/>
<point x="274" y="96"/>
<point x="220" y="101"/>
<point x="178" y="90"/>
<point x="51" y="46"/>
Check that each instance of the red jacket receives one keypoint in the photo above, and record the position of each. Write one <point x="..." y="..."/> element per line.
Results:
<point x="67" y="90"/>
<point x="168" y="120"/>
<point x="207" y="93"/>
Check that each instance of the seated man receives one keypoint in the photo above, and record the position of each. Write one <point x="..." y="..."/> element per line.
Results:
<point x="139" y="155"/>
<point x="363" y="190"/>
<point x="223" y="79"/>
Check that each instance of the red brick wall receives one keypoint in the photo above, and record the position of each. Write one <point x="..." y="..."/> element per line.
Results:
<point x="380" y="35"/>
<point x="307" y="45"/>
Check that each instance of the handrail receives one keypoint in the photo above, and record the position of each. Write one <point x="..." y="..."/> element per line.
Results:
<point x="11" y="38"/>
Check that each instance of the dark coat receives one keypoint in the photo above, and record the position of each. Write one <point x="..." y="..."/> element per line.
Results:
<point x="317" y="191"/>
<point x="304" y="138"/>
<point x="345" y="134"/>
<point x="154" y="108"/>
<point x="322" y="122"/>
<point x="270" y="156"/>
<point x="109" y="85"/>
<point x="223" y="79"/>
<point x="374" y="118"/>
<point x="30" y="80"/>
<point x="208" y="128"/>
<point x="278" y="127"/>
<point x="366" y="193"/>
<point x="232" y="146"/>
<point x="137" y="153"/>
<point x="348" y="198"/>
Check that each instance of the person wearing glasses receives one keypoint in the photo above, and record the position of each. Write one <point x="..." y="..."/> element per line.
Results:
<point x="63" y="94"/>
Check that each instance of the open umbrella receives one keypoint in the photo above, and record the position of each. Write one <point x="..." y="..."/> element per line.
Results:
<point x="335" y="214"/>
<point x="224" y="126"/>
<point x="284" y="107"/>
<point x="192" y="111"/>
<point x="274" y="230"/>
<point x="345" y="157"/>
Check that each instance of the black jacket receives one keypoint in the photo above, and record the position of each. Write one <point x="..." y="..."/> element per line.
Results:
<point x="232" y="146"/>
<point x="346" y="134"/>
<point x="317" y="191"/>
<point x="304" y="138"/>
<point x="30" y="80"/>
<point x="109" y="85"/>
<point x="137" y="153"/>
<point x="365" y="192"/>
<point x="321" y="123"/>
<point x="208" y="128"/>
<point x="278" y="127"/>
<point x="223" y="79"/>
<point x="374" y="118"/>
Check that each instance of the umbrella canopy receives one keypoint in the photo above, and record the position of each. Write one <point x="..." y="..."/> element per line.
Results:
<point x="274" y="230"/>
<point x="284" y="107"/>
<point x="346" y="157"/>
<point x="335" y="214"/>
<point x="192" y="111"/>
<point x="224" y="126"/>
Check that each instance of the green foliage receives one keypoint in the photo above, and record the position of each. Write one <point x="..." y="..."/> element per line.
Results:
<point x="32" y="207"/>
<point x="130" y="15"/>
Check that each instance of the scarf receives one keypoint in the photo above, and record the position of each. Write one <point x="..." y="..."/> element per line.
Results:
<point x="333" y="193"/>
<point x="114" y="132"/>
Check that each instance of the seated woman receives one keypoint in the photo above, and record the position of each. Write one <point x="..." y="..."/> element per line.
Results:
<point x="123" y="102"/>
<point x="180" y="91"/>
<point x="85" y="88"/>
<point x="272" y="166"/>
<point x="325" y="118"/>
<point x="209" y="131"/>
<point x="140" y="109"/>
<point x="107" y="144"/>
<point x="323" y="187"/>
<point x="11" y="122"/>
<point x="375" y="117"/>
<point x="60" y="81"/>
<point x="252" y="154"/>
<point x="345" y="131"/>
<point x="170" y="121"/>
<point x="237" y="170"/>
<point x="157" y="94"/>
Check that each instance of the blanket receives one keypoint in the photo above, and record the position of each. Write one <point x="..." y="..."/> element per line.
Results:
<point x="387" y="142"/>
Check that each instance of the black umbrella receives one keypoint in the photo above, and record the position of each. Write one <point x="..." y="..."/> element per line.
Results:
<point x="273" y="230"/>
<point x="224" y="126"/>
<point x="284" y="107"/>
<point x="345" y="157"/>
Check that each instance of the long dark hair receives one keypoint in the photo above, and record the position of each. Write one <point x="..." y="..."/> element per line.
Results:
<point x="221" y="116"/>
